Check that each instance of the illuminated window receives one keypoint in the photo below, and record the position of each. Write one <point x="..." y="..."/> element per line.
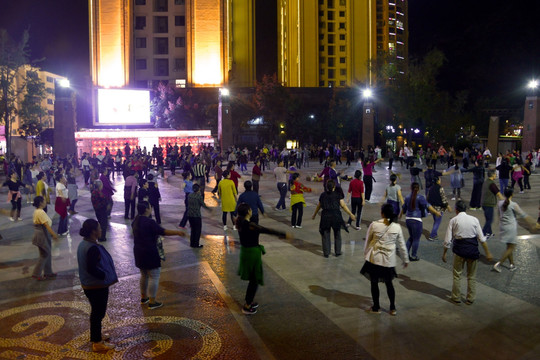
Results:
<point x="140" y="64"/>
<point x="140" y="22"/>
<point x="392" y="48"/>
<point x="180" y="21"/>
<point x="180" y="64"/>
<point x="180" y="41"/>
<point x="161" y="46"/>
<point x="161" y="67"/>
<point x="140" y="43"/>
<point x="160" y="5"/>
<point x="180" y="83"/>
<point x="161" y="24"/>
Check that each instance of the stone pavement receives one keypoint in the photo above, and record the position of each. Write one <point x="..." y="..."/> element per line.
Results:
<point x="311" y="307"/>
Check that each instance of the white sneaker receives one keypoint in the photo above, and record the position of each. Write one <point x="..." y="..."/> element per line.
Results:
<point x="234" y="227"/>
<point x="293" y="226"/>
<point x="298" y="227"/>
<point x="11" y="219"/>
<point x="497" y="267"/>
<point x="453" y="198"/>
<point x="512" y="267"/>
<point x="225" y="227"/>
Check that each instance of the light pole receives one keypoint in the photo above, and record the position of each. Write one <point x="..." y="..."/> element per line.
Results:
<point x="368" y="114"/>
<point x="531" y="119"/>
<point x="64" y="118"/>
<point x="225" y="135"/>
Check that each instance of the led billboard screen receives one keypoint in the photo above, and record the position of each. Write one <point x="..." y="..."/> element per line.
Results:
<point x="123" y="107"/>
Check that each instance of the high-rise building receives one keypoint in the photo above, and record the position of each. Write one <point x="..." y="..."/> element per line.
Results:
<point x="188" y="43"/>
<point x="328" y="43"/>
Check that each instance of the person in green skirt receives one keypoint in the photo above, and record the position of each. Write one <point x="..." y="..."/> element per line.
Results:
<point x="251" y="252"/>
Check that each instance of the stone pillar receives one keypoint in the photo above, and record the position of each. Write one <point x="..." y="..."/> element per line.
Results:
<point x="493" y="135"/>
<point x="531" y="124"/>
<point x="368" y="131"/>
<point x="64" y="121"/>
<point x="225" y="130"/>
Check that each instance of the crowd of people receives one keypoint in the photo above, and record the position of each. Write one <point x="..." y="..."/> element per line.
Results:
<point x="140" y="170"/>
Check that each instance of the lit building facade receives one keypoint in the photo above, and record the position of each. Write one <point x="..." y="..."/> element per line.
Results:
<point x="328" y="43"/>
<point x="188" y="43"/>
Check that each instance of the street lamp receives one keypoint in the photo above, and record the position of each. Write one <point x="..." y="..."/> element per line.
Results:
<point x="533" y="84"/>
<point x="368" y="129"/>
<point x="367" y="93"/>
<point x="225" y="135"/>
<point x="64" y="83"/>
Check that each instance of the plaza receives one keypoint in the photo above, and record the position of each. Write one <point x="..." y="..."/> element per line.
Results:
<point x="311" y="307"/>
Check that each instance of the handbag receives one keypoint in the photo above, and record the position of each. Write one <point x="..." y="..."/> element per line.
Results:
<point x="159" y="244"/>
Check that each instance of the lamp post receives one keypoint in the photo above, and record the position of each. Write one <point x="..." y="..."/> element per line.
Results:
<point x="531" y="119"/>
<point x="64" y="118"/>
<point x="368" y="114"/>
<point x="225" y="134"/>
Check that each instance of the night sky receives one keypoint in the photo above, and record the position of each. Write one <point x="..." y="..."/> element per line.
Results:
<point x="492" y="47"/>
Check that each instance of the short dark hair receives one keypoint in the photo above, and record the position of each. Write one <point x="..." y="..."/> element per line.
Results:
<point x="142" y="206"/>
<point x="461" y="206"/>
<point x="37" y="200"/>
<point x="196" y="188"/>
<point x="248" y="185"/>
<point x="89" y="226"/>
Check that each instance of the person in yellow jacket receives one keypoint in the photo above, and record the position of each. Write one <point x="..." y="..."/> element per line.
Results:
<point x="297" y="201"/>
<point x="228" y="195"/>
<point x="42" y="189"/>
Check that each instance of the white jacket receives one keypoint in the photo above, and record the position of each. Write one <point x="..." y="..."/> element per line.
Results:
<point x="381" y="243"/>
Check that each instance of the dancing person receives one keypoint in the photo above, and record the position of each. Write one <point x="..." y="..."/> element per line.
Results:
<point x="504" y="173"/>
<point x="100" y="204"/>
<point x="61" y="204"/>
<point x="297" y="200"/>
<point x="14" y="195"/>
<point x="517" y="175"/>
<point x="73" y="190"/>
<point x="462" y="235"/>
<point x="188" y="189"/>
<point x="509" y="212"/>
<point x="218" y="175"/>
<point x="478" y="181"/>
<point x="108" y="190"/>
<point x="250" y="268"/>
<point x="97" y="274"/>
<point x="356" y="197"/>
<point x="330" y="202"/>
<point x="437" y="198"/>
<point x="229" y="197"/>
<point x="280" y="173"/>
<point x="145" y="251"/>
<point x="367" y="168"/>
<point x="415" y="173"/>
<point x="414" y="208"/>
<point x="393" y="194"/>
<point x="195" y="201"/>
<point x="154" y="197"/>
<point x="42" y="239"/>
<point x="490" y="195"/>
<point x="383" y="238"/>
<point x="256" y="174"/>
<point x="130" y="194"/>
<point x="253" y="199"/>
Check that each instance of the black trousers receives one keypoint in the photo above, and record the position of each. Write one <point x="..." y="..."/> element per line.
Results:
<point x="102" y="218"/>
<point x="256" y="186"/>
<point x="98" y="303"/>
<point x="297" y="213"/>
<point x="375" y="293"/>
<point x="356" y="209"/>
<point x="251" y="290"/>
<point x="196" y="227"/>
<point x="130" y="208"/>
<point x="185" y="217"/>
<point x="155" y="206"/>
<point x="368" y="182"/>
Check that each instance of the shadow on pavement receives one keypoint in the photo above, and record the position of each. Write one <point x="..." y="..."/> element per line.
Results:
<point x="341" y="298"/>
<point x="424" y="287"/>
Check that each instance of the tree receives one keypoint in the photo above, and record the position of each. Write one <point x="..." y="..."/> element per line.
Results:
<point x="271" y="99"/>
<point x="32" y="113"/>
<point x="13" y="56"/>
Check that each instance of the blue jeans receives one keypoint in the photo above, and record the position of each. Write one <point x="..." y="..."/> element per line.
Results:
<point x="488" y="213"/>
<point x="503" y="184"/>
<point x="62" y="225"/>
<point x="149" y="282"/>
<point x="415" y="232"/>
<point x="436" y="224"/>
<point x="282" y="188"/>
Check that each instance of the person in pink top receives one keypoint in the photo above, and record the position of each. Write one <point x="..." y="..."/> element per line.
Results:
<point x="108" y="190"/>
<point x="355" y="196"/>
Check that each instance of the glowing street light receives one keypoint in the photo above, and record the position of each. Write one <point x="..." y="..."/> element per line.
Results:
<point x="367" y="93"/>
<point x="224" y="92"/>
<point x="533" y="84"/>
<point x="64" y="83"/>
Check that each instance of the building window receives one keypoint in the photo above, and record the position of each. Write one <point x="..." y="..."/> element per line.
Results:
<point x="321" y="48"/>
<point x="342" y="25"/>
<point x="342" y="48"/>
<point x="140" y="43"/>
<point x="331" y="73"/>
<point x="321" y="36"/>
<point x="180" y="21"/>
<point x="342" y="60"/>
<point x="140" y="2"/>
<point x="331" y="50"/>
<point x="343" y="72"/>
<point x="321" y="72"/>
<point x="342" y="83"/>
<point x="321" y="60"/>
<point x="161" y="67"/>
<point x="321" y="83"/>
<point x="330" y="4"/>
<point x="321" y="24"/>
<point x="179" y="64"/>
<point x="161" y="24"/>
<point x="331" y="38"/>
<point x="50" y="101"/>
<point x="140" y="22"/>
<point x="179" y="2"/>
<point x="341" y="36"/>
<point x="49" y="90"/>
<point x="331" y="62"/>
<point x="180" y="41"/>
<point x="140" y="64"/>
<point x="161" y="6"/>
<point x="141" y="84"/>
<point x="161" y="46"/>
<point x="50" y="112"/>
<point x="330" y="15"/>
<point x="331" y="83"/>
<point x="180" y="83"/>
<point x="342" y="14"/>
<point x="331" y="27"/>
<point x="50" y="79"/>
<point x="321" y="13"/>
